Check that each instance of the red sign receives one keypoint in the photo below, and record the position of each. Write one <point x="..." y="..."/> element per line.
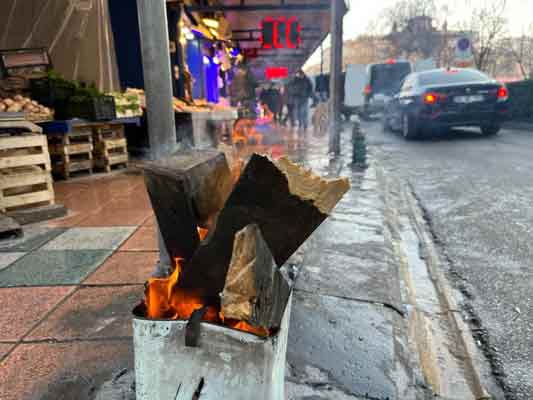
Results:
<point x="276" y="72"/>
<point x="280" y="32"/>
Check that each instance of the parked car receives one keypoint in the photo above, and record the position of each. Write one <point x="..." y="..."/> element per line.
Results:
<point x="446" y="98"/>
<point x="383" y="81"/>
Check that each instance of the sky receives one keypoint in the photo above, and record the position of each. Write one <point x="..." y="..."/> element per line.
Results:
<point x="362" y="12"/>
<point x="519" y="14"/>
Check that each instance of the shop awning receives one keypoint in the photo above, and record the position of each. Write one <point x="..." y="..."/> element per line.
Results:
<point x="246" y="16"/>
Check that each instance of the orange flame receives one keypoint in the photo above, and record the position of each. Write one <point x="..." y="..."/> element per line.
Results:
<point x="165" y="300"/>
<point x="202" y="232"/>
<point x="246" y="327"/>
<point x="244" y="132"/>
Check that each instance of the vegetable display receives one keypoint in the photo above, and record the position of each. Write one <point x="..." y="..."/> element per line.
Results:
<point x="32" y="110"/>
<point x="128" y="104"/>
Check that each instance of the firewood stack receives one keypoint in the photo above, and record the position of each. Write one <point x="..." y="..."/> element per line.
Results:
<point x="254" y="226"/>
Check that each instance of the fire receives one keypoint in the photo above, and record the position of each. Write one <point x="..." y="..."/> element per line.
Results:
<point x="245" y="327"/>
<point x="165" y="300"/>
<point x="244" y="132"/>
<point x="202" y="232"/>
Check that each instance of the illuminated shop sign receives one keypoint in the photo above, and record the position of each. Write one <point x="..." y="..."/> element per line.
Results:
<point x="280" y="33"/>
<point x="276" y="72"/>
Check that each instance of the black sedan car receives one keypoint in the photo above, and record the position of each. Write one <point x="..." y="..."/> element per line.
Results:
<point x="445" y="98"/>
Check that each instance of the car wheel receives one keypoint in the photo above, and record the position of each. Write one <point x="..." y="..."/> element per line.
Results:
<point x="409" y="128"/>
<point x="490" y="130"/>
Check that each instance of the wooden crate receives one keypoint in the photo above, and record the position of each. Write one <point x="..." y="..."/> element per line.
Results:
<point x="71" y="151"/>
<point x="110" y="146"/>
<point x="23" y="187"/>
<point x="22" y="150"/>
<point x="108" y="131"/>
<point x="68" y="164"/>
<point x="112" y="158"/>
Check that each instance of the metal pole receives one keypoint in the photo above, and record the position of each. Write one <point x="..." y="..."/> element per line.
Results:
<point x="335" y="72"/>
<point x="153" y="28"/>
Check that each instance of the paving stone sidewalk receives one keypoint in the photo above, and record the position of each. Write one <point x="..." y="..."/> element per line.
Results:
<point x="68" y="287"/>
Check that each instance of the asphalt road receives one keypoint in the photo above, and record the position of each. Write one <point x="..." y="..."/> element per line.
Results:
<point x="478" y="196"/>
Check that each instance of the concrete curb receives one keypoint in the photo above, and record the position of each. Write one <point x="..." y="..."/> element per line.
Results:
<point x="445" y="292"/>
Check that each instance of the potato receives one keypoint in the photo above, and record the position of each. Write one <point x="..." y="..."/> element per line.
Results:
<point x="18" y="98"/>
<point x="27" y="107"/>
<point x="14" y="108"/>
<point x="34" y="103"/>
<point x="8" y="102"/>
<point x="3" y="108"/>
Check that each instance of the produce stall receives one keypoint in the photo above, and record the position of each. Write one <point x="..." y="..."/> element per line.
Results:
<point x="199" y="123"/>
<point x="84" y="127"/>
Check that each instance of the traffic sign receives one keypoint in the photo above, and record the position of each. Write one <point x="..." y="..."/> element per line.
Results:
<point x="463" y="52"/>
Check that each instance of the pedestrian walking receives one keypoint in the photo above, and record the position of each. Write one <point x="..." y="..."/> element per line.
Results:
<point x="242" y="90"/>
<point x="287" y="100"/>
<point x="300" y="91"/>
<point x="271" y="97"/>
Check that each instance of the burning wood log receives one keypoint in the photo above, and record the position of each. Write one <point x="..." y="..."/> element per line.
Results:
<point x="255" y="290"/>
<point x="187" y="190"/>
<point x="286" y="201"/>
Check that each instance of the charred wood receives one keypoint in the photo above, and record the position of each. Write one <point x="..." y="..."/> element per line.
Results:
<point x="187" y="190"/>
<point x="286" y="201"/>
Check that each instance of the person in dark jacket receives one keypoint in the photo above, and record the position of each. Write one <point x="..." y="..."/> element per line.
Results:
<point x="300" y="91"/>
<point x="272" y="98"/>
<point x="287" y="100"/>
<point x="243" y="88"/>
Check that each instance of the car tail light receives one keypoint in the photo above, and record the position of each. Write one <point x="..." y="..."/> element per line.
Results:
<point x="503" y="94"/>
<point x="367" y="89"/>
<point x="433" y="98"/>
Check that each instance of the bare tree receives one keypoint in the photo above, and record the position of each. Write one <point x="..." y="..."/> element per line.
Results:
<point x="397" y="16"/>
<point x="487" y="26"/>
<point x="521" y="51"/>
<point x="414" y="27"/>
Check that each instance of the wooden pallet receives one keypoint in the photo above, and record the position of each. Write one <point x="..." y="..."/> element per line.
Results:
<point x="112" y="158"/>
<point x="24" y="150"/>
<point x="108" y="131"/>
<point x="67" y="164"/>
<point x="111" y="147"/>
<point x="23" y="187"/>
<point x="71" y="151"/>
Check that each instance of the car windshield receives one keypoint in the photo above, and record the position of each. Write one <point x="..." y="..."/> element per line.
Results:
<point x="388" y="77"/>
<point x="451" y="76"/>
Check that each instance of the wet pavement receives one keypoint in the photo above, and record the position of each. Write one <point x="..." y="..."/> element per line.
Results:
<point x="67" y="289"/>
<point x="476" y="193"/>
<point x="347" y="318"/>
